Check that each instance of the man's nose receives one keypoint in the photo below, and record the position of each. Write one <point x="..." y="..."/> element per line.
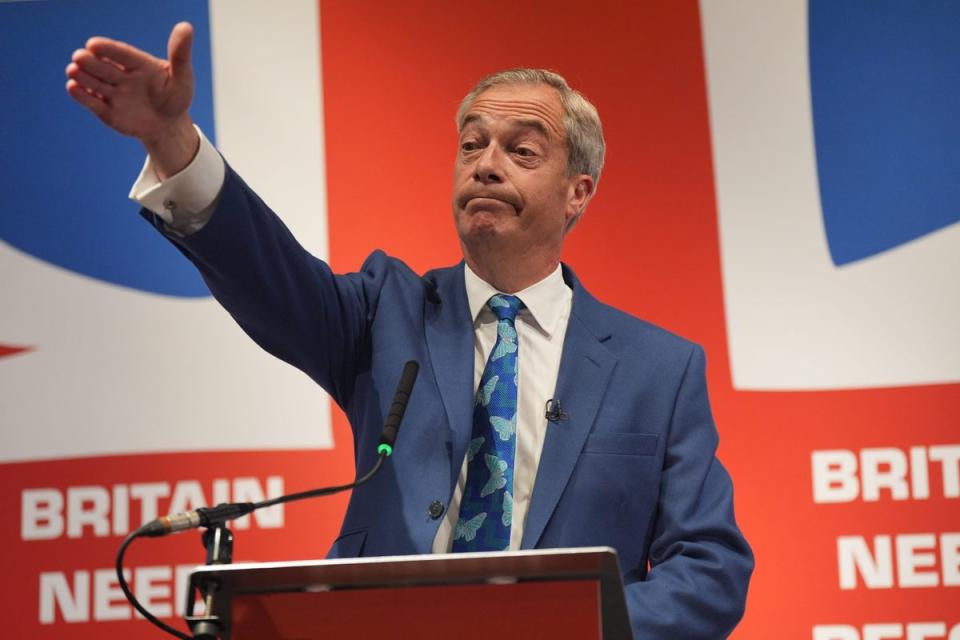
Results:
<point x="489" y="167"/>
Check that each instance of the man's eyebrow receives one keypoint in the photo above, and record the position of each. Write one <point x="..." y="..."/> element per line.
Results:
<point x="536" y="125"/>
<point x="469" y="119"/>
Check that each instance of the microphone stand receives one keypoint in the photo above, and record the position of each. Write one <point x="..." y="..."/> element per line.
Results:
<point x="218" y="539"/>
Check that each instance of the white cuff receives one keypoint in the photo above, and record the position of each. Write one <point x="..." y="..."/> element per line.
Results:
<point x="184" y="201"/>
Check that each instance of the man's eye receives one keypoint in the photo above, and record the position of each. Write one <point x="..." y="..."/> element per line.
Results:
<point x="469" y="146"/>
<point x="524" y="151"/>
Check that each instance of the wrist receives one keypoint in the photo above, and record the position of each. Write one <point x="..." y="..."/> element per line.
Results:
<point x="173" y="148"/>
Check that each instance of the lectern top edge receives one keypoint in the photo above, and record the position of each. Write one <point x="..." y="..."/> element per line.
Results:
<point x="599" y="564"/>
<point x="590" y="562"/>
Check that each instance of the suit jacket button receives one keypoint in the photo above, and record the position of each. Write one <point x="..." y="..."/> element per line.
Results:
<point x="435" y="509"/>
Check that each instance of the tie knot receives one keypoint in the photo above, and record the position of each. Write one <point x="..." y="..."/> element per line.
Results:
<point x="505" y="307"/>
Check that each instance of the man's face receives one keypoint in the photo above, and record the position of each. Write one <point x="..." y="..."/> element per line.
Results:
<point x="510" y="182"/>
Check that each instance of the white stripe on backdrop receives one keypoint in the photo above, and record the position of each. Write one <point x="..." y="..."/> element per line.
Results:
<point x="118" y="370"/>
<point x="794" y="320"/>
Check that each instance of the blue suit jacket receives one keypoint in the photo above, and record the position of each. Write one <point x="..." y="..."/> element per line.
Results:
<point x="632" y="467"/>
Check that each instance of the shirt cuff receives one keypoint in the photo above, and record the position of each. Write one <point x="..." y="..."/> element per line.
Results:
<point x="186" y="200"/>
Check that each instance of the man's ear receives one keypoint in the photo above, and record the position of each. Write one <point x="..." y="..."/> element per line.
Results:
<point x="581" y="190"/>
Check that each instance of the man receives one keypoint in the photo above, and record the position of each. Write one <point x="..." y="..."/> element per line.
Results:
<point x="626" y="460"/>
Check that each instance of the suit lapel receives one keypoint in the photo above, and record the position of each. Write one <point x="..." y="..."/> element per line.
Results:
<point x="585" y="369"/>
<point x="450" y="340"/>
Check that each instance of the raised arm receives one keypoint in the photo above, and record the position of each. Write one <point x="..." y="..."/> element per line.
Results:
<point x="290" y="302"/>
<point x="139" y="95"/>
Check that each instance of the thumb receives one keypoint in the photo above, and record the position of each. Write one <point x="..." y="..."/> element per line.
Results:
<point x="178" y="48"/>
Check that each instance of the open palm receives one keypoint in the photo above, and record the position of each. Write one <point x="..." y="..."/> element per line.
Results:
<point x="132" y="91"/>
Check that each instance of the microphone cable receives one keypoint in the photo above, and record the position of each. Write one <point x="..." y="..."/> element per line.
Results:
<point x="214" y="516"/>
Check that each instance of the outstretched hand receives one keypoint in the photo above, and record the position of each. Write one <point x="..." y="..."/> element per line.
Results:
<point x="140" y="95"/>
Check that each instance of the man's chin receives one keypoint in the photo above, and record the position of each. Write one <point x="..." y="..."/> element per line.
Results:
<point x="484" y="221"/>
<point x="480" y="229"/>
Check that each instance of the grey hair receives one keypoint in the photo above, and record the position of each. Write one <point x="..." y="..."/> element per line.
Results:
<point x="581" y="122"/>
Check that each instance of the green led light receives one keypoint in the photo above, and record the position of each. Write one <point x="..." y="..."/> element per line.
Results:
<point x="385" y="449"/>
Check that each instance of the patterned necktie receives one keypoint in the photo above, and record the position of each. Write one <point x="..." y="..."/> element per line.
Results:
<point x="486" y="508"/>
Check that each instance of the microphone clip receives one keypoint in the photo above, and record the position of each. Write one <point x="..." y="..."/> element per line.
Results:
<point x="554" y="412"/>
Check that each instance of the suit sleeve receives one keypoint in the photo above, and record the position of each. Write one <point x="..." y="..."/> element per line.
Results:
<point x="700" y="563"/>
<point x="287" y="300"/>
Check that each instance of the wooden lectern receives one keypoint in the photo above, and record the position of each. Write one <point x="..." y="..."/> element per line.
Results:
<point x="553" y="593"/>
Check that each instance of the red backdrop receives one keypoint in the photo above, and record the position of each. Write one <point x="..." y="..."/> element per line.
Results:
<point x="393" y="75"/>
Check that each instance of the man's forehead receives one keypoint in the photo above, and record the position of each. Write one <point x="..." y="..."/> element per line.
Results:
<point x="527" y="104"/>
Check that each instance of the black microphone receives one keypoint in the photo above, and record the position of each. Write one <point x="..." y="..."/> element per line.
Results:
<point x="399" y="407"/>
<point x="553" y="412"/>
<point x="211" y="517"/>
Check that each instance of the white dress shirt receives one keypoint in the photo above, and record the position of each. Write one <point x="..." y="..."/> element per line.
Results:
<point x="185" y="202"/>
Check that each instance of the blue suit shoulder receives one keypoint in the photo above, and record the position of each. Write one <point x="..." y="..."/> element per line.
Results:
<point x="625" y="334"/>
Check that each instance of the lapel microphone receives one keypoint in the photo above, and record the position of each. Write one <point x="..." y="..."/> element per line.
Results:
<point x="553" y="412"/>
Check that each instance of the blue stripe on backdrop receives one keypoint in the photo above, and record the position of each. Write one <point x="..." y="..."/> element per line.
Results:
<point x="883" y="78"/>
<point x="63" y="176"/>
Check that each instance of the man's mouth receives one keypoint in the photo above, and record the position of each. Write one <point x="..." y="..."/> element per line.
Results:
<point x="477" y="202"/>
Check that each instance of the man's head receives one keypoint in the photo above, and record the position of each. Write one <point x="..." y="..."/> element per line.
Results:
<point x="530" y="154"/>
<point x="584" y="134"/>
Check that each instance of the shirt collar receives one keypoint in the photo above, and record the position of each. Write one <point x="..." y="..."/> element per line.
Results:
<point x="545" y="301"/>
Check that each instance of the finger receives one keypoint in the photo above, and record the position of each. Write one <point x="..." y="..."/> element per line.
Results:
<point x="86" y="98"/>
<point x="128" y="57"/>
<point x="103" y="69"/>
<point x="178" y="48"/>
<point x="88" y="81"/>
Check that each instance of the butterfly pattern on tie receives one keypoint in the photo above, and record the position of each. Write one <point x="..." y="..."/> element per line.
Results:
<point x="486" y="508"/>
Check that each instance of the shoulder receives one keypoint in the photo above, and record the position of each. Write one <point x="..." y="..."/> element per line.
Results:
<point x="381" y="272"/>
<point x="379" y="262"/>
<point x="629" y="332"/>
<point x="625" y="334"/>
